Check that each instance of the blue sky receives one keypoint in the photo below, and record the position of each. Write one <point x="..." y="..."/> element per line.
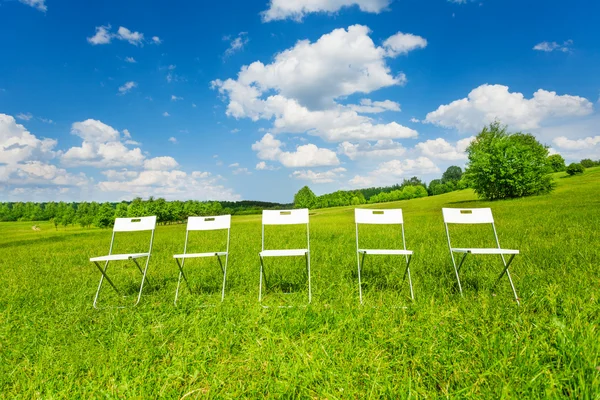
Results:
<point x="252" y="100"/>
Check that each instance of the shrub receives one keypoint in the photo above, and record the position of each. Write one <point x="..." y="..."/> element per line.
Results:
<point x="575" y="168"/>
<point x="587" y="163"/>
<point x="556" y="163"/>
<point x="504" y="165"/>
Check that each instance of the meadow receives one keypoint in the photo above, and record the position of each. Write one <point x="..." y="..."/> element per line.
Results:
<point x="54" y="344"/>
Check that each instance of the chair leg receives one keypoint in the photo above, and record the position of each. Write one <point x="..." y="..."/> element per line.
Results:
<point x="181" y="274"/>
<point x="360" y="297"/>
<point x="260" y="282"/>
<point x="407" y="272"/>
<point x="143" y="280"/>
<point x="456" y="269"/>
<point x="309" y="283"/>
<point x="103" y="272"/>
<point x="506" y="265"/>
<point x="224" y="269"/>
<point x="140" y="269"/>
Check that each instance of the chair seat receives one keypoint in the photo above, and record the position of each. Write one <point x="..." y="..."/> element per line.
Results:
<point x="117" y="257"/>
<point x="283" y="253"/>
<point x="486" y="251"/>
<point x="196" y="255"/>
<point x="386" y="252"/>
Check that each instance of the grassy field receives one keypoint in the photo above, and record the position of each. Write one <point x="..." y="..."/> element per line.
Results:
<point x="53" y="344"/>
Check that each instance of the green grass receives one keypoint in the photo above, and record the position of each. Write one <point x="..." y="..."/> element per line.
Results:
<point x="53" y="344"/>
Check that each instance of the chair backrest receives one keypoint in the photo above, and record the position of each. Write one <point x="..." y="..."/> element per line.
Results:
<point x="379" y="217"/>
<point x="366" y="216"/>
<point x="285" y="217"/>
<point x="135" y="224"/>
<point x="468" y="215"/>
<point x="209" y="223"/>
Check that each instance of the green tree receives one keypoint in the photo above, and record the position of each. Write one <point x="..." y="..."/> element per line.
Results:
<point x="452" y="174"/>
<point x="68" y="215"/>
<point x="587" y="163"/>
<point x="105" y="216"/>
<point x="504" y="165"/>
<point x="556" y="163"/>
<point x="575" y="168"/>
<point x="121" y="211"/>
<point x="136" y="208"/>
<point x="305" y="198"/>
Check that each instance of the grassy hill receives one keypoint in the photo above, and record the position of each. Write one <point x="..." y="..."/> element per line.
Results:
<point x="54" y="344"/>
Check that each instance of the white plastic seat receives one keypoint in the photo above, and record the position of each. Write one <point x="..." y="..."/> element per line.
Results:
<point x="283" y="253"/>
<point x="477" y="216"/>
<point x="119" y="257"/>
<point x="284" y="217"/>
<point x="215" y="223"/>
<point x="126" y="225"/>
<point x="485" y="251"/>
<point x="386" y="252"/>
<point x="381" y="217"/>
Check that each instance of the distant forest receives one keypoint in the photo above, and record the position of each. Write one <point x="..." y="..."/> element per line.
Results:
<point x="86" y="214"/>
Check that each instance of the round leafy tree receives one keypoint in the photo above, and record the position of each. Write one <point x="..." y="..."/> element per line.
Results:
<point x="556" y="163"/>
<point x="575" y="168"/>
<point x="507" y="165"/>
<point x="305" y="198"/>
<point x="452" y="174"/>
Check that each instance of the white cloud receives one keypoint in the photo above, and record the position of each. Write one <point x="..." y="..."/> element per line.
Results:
<point x="236" y="44"/>
<point x="37" y="4"/>
<point x="391" y="172"/>
<point x="156" y="40"/>
<point x="235" y="130"/>
<point x="241" y="171"/>
<point x="297" y="9"/>
<point x="488" y="103"/>
<point x="263" y="166"/>
<point x="161" y="163"/>
<point x="102" y="36"/>
<point x="101" y="147"/>
<point x="308" y="79"/>
<point x="176" y="98"/>
<point x="332" y="175"/>
<point x="381" y="149"/>
<point x="24" y="117"/>
<point x="130" y="60"/>
<point x="234" y="165"/>
<point x="415" y="120"/>
<point x="166" y="114"/>
<point x="126" y="88"/>
<point x="565" y="47"/>
<point x="403" y="43"/>
<point x="39" y="173"/>
<point x="171" y="185"/>
<point x="46" y="120"/>
<point x="368" y="106"/>
<point x="579" y="144"/>
<point x="173" y="139"/>
<point x="308" y="155"/>
<point x="442" y="150"/>
<point x="17" y="144"/>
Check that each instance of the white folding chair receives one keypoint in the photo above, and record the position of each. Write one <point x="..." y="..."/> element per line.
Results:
<point x="381" y="217"/>
<point x="477" y="216"/>
<point x="284" y="217"/>
<point x="204" y="224"/>
<point x="126" y="225"/>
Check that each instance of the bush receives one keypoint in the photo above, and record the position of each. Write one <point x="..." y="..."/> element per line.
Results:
<point x="556" y="163"/>
<point x="587" y="163"/>
<point x="575" y="168"/>
<point x="504" y="165"/>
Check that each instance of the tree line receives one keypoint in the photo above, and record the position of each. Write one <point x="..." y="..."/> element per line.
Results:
<point x="86" y="214"/>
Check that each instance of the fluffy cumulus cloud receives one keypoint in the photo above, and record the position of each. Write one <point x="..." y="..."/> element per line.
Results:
<point x="391" y="172"/>
<point x="160" y="163"/>
<point x="333" y="175"/>
<point x="300" y="88"/>
<point x="488" y="103"/>
<point x="263" y="166"/>
<point x="577" y="149"/>
<point x="172" y="184"/>
<point x="25" y="159"/>
<point x="105" y="35"/>
<point x="297" y="9"/>
<point x="365" y="150"/>
<point x="440" y="149"/>
<point x="403" y="43"/>
<point x="308" y="155"/>
<point x="102" y="147"/>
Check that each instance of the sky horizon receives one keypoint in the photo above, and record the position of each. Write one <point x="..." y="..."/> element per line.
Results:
<point x="254" y="100"/>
